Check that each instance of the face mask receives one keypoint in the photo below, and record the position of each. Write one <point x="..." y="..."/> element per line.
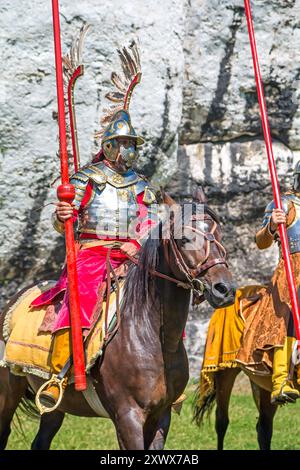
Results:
<point x="111" y="149"/>
<point x="129" y="154"/>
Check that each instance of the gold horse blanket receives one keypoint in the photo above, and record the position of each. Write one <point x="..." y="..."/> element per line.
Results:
<point x="224" y="343"/>
<point x="28" y="343"/>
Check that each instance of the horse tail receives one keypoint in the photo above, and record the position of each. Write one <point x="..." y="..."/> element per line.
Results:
<point x="27" y="405"/>
<point x="205" y="398"/>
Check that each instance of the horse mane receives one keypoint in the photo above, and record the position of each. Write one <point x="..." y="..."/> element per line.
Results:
<point x="139" y="283"/>
<point x="212" y="213"/>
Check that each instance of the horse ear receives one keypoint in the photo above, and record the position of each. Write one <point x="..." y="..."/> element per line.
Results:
<point x="167" y="198"/>
<point x="173" y="206"/>
<point x="199" y="195"/>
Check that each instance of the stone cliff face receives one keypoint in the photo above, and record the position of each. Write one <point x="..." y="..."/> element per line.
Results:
<point x="196" y="107"/>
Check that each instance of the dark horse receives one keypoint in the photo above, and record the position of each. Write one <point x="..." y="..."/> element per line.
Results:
<point x="220" y="395"/>
<point x="144" y="368"/>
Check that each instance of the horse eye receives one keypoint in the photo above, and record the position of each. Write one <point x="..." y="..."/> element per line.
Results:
<point x="185" y="240"/>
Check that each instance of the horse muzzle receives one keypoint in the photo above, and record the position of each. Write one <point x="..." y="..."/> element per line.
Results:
<point x="220" y="294"/>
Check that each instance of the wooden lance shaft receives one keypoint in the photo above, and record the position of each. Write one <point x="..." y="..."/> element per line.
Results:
<point x="273" y="172"/>
<point x="66" y="192"/>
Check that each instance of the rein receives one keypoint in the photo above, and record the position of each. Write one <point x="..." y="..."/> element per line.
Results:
<point x="190" y="274"/>
<point x="209" y="237"/>
<point x="110" y="271"/>
<point x="161" y="275"/>
<point x="192" y="282"/>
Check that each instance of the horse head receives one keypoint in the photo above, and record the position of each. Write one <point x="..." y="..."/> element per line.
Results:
<point x="195" y="252"/>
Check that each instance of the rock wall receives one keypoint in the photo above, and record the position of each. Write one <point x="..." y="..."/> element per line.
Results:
<point x="196" y="107"/>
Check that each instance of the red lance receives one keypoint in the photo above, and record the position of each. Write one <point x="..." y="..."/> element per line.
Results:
<point x="66" y="192"/>
<point x="274" y="178"/>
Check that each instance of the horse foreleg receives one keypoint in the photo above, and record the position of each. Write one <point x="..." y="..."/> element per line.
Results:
<point x="129" y="426"/>
<point x="12" y="389"/>
<point x="224" y="381"/>
<point x="49" y="425"/>
<point x="161" y="433"/>
<point x="264" y="426"/>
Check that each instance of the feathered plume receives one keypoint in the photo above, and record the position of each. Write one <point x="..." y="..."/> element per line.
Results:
<point x="124" y="83"/>
<point x="73" y="59"/>
<point x="72" y="69"/>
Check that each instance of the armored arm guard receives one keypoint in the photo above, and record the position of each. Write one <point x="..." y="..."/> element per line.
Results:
<point x="265" y="237"/>
<point x="57" y="224"/>
<point x="80" y="182"/>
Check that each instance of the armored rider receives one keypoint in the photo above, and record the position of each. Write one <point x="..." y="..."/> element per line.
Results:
<point x="113" y="209"/>
<point x="277" y="308"/>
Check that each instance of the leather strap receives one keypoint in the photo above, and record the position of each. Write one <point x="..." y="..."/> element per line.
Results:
<point x="65" y="368"/>
<point x="209" y="264"/>
<point x="110" y="271"/>
<point x="161" y="275"/>
<point x="93" y="399"/>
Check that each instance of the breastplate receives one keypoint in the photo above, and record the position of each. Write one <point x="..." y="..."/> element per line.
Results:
<point x="113" y="207"/>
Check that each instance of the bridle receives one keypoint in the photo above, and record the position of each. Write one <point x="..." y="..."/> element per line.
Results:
<point x="190" y="275"/>
<point x="191" y="280"/>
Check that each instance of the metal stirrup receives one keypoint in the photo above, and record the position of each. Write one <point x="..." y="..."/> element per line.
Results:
<point x="53" y="381"/>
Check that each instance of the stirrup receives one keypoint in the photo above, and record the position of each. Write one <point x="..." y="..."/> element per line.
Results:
<point x="282" y="398"/>
<point x="54" y="380"/>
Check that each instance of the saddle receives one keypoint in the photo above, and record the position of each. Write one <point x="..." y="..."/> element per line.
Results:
<point x="28" y="337"/>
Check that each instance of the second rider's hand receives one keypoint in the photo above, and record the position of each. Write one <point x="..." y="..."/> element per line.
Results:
<point x="278" y="217"/>
<point x="64" y="211"/>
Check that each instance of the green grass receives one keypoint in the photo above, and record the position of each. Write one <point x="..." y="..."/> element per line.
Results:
<point x="93" y="433"/>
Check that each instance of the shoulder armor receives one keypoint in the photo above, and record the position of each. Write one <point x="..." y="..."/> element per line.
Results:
<point x="285" y="199"/>
<point x="268" y="210"/>
<point x="80" y="181"/>
<point x="150" y="193"/>
<point x="294" y="198"/>
<point x="94" y="173"/>
<point x="270" y="207"/>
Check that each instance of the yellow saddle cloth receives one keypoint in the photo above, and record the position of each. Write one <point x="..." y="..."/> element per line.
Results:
<point x="28" y="349"/>
<point x="223" y="341"/>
